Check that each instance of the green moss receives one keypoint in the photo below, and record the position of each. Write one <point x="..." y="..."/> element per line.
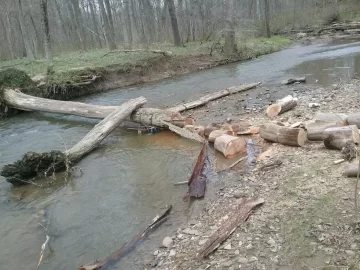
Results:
<point x="14" y="78"/>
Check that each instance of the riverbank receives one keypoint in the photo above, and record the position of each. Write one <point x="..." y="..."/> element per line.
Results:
<point x="79" y="74"/>
<point x="308" y="220"/>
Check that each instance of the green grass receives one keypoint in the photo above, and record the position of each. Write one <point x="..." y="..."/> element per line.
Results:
<point x="68" y="66"/>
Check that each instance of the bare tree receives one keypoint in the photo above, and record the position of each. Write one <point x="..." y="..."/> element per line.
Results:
<point x="267" y="18"/>
<point x="230" y="46"/>
<point x="128" y="23"/>
<point x="109" y="39"/>
<point x="46" y="30"/>
<point x="29" y="52"/>
<point x="174" y="23"/>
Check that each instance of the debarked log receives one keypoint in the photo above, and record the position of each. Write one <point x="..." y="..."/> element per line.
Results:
<point x="34" y="164"/>
<point x="146" y="116"/>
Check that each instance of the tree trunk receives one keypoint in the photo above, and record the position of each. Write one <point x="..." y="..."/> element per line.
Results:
<point x="330" y="117"/>
<point x="108" y="37"/>
<point x="94" y="22"/>
<point x="174" y="23"/>
<point x="337" y="137"/>
<point x="78" y="24"/>
<point x="283" y="135"/>
<point x="354" y="119"/>
<point x="267" y="19"/>
<point x="110" y="19"/>
<point x="281" y="106"/>
<point x="230" y="46"/>
<point x="230" y="145"/>
<point x="315" y="130"/>
<point x="9" y="36"/>
<point x="29" y="52"/>
<point x="128" y="22"/>
<point x="46" y="30"/>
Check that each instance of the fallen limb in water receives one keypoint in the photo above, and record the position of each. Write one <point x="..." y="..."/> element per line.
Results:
<point x="124" y="249"/>
<point x="32" y="164"/>
<point x="210" y="97"/>
<point x="197" y="180"/>
<point x="239" y="215"/>
<point x="146" y="116"/>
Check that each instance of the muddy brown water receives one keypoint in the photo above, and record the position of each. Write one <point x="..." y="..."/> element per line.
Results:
<point x="127" y="180"/>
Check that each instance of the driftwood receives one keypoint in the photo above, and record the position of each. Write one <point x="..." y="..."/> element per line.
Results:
<point x="127" y="247"/>
<point x="165" y="53"/>
<point x="233" y="164"/>
<point x="239" y="215"/>
<point x="230" y="145"/>
<point x="46" y="163"/>
<point x="284" y="135"/>
<point x="337" y="137"/>
<point x="294" y="80"/>
<point x="146" y="116"/>
<point x="185" y="133"/>
<point x="213" y="96"/>
<point x="330" y="117"/>
<point x="197" y="180"/>
<point x="315" y="131"/>
<point x="217" y="133"/>
<point x="281" y="106"/>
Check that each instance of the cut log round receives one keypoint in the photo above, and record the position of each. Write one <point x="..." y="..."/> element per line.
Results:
<point x="284" y="135"/>
<point x="354" y="119"/>
<point x="281" y="106"/>
<point x="337" y="137"/>
<point x="146" y="116"/>
<point x="230" y="145"/>
<point x="315" y="131"/>
<point x="352" y="170"/>
<point x="330" y="117"/>
<point x="217" y="133"/>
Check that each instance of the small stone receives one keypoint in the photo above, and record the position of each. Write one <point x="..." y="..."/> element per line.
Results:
<point x="191" y="232"/>
<point x="329" y="250"/>
<point x="354" y="246"/>
<point x="297" y="114"/>
<point x="156" y="252"/>
<point x="228" y="263"/>
<point x="253" y="259"/>
<point x="238" y="194"/>
<point x="154" y="263"/>
<point x="172" y="252"/>
<point x="227" y="247"/>
<point x="167" y="242"/>
<point x="249" y="246"/>
<point x="350" y="252"/>
<point x="237" y="252"/>
<point x="228" y="119"/>
<point x="243" y="260"/>
<point x="271" y="242"/>
<point x="202" y="242"/>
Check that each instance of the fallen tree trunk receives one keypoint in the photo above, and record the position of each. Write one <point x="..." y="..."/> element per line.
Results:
<point x="315" y="131"/>
<point x="354" y="119"/>
<point x="210" y="97"/>
<point x="337" y="137"/>
<point x="32" y="164"/>
<point x="198" y="178"/>
<point x="230" y="145"/>
<point x="284" y="135"/>
<point x="339" y="27"/>
<point x="146" y="116"/>
<point x="281" y="106"/>
<point x="239" y="215"/>
<point x="165" y="53"/>
<point x="330" y="117"/>
<point x="127" y="247"/>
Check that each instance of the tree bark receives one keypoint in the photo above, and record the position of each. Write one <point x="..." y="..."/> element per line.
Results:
<point x="281" y="106"/>
<point x="46" y="31"/>
<point x="29" y="52"/>
<point x="174" y="23"/>
<point x="267" y="19"/>
<point x="337" y="137"/>
<point x="315" y="130"/>
<point x="230" y="145"/>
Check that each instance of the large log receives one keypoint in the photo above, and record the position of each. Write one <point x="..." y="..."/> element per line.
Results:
<point x="217" y="133"/>
<point x="284" y="135"/>
<point x="230" y="145"/>
<point x="238" y="216"/>
<point x="213" y="96"/>
<point x="354" y="119"/>
<point x="34" y="164"/>
<point x="146" y="116"/>
<point x="281" y="106"/>
<point x="315" y="131"/>
<point x="352" y="170"/>
<point x="337" y="137"/>
<point x="330" y="117"/>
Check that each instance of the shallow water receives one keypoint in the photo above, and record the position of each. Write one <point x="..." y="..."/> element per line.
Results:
<point x="127" y="180"/>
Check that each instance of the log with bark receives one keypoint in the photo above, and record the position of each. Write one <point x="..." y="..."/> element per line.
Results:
<point x="352" y="170"/>
<point x="284" y="135"/>
<point x="217" y="133"/>
<point x="238" y="216"/>
<point x="294" y="80"/>
<point x="42" y="164"/>
<point x="339" y="27"/>
<point x="282" y="105"/>
<point x="331" y="117"/>
<point x="337" y="137"/>
<point x="158" y="220"/>
<point x="315" y="131"/>
<point x="146" y="116"/>
<point x="198" y="178"/>
<point x="230" y="145"/>
<point x="213" y="96"/>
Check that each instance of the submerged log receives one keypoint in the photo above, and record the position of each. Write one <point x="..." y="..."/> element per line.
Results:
<point x="213" y="96"/>
<point x="238" y="216"/>
<point x="128" y="246"/>
<point x="284" y="135"/>
<point x="281" y="106"/>
<point x="330" y="117"/>
<point x="34" y="164"/>
<point x="146" y="116"/>
<point x="198" y="178"/>
<point x="337" y="137"/>
<point x="315" y="131"/>
<point x="230" y="145"/>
